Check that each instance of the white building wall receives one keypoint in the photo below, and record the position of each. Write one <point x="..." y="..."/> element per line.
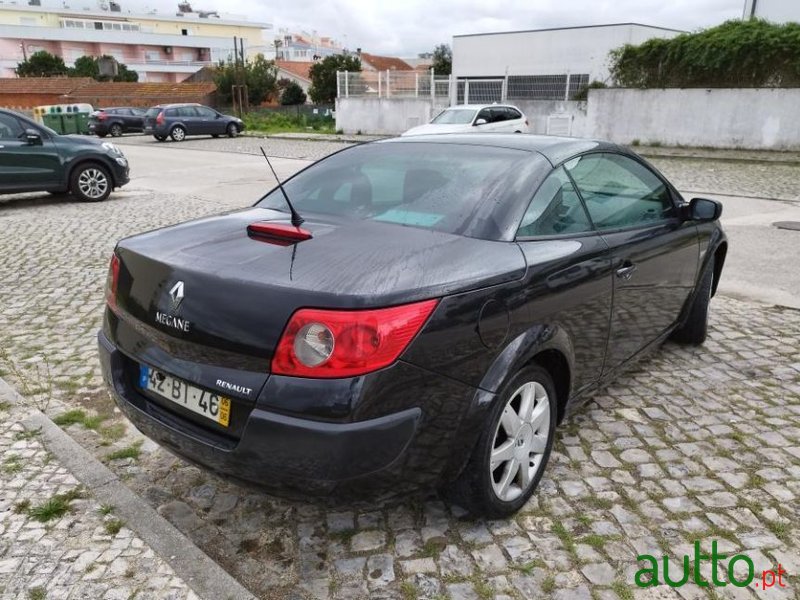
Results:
<point x="547" y="52"/>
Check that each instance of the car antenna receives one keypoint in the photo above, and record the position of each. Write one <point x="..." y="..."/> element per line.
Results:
<point x="297" y="220"/>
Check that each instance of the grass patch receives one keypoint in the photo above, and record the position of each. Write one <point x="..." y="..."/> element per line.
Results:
<point x="112" y="433"/>
<point x="133" y="451"/>
<point x="595" y="541"/>
<point x="4" y="405"/>
<point x="106" y="509"/>
<point x="549" y="584"/>
<point x="483" y="589"/>
<point x="275" y="122"/>
<point x="585" y="520"/>
<point x="54" y="508"/>
<point x="433" y="548"/>
<point x="779" y="530"/>
<point x="113" y="526"/>
<point x="22" y="506"/>
<point x="12" y="464"/>
<point x="622" y="590"/>
<point x="78" y="417"/>
<point x="408" y="590"/>
<point x="600" y="503"/>
<point x="28" y="434"/>
<point x="37" y="593"/>
<point x="565" y="537"/>
<point x="528" y="567"/>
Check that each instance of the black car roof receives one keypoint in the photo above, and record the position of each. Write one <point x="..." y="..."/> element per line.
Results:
<point x="554" y="148"/>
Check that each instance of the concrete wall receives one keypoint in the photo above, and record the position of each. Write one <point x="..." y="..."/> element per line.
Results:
<point x="389" y="116"/>
<point x="720" y="118"/>
<point x="547" y="51"/>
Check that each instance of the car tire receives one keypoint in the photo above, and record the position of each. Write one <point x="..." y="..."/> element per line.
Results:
<point x="90" y="182"/>
<point x="232" y="130"/>
<point x="491" y="485"/>
<point x="102" y="135"/>
<point x="214" y="135"/>
<point x="695" y="330"/>
<point x="115" y="130"/>
<point x="178" y="134"/>
<point x="160" y="138"/>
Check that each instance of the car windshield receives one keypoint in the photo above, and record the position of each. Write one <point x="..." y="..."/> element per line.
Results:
<point x="153" y="112"/>
<point x="470" y="190"/>
<point x="455" y="116"/>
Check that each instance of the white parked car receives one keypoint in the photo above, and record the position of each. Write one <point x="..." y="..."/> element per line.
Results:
<point x="465" y="118"/>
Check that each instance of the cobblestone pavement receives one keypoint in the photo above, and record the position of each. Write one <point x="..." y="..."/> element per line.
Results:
<point x="693" y="444"/>
<point x="57" y="542"/>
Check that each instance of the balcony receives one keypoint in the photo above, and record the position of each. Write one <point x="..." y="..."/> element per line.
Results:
<point x="166" y="66"/>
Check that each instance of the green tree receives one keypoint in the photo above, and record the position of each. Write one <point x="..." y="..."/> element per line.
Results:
<point x="88" y="66"/>
<point x="259" y="74"/>
<point x="293" y="94"/>
<point x="323" y="76"/>
<point x="42" y="64"/>
<point x="442" y="60"/>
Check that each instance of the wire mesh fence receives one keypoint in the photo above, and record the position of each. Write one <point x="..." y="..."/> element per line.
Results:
<point x="449" y="90"/>
<point x="392" y="84"/>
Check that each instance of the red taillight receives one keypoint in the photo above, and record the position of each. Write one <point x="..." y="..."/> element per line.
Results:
<point x="278" y="233"/>
<point x="160" y="118"/>
<point x="111" y="281"/>
<point x="343" y="343"/>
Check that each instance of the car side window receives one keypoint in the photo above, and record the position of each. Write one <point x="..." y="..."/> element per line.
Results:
<point x="187" y="111"/>
<point x="498" y="115"/>
<point x="619" y="191"/>
<point x="10" y="129"/>
<point x="556" y="209"/>
<point x="171" y="112"/>
<point x="206" y="113"/>
<point x="484" y="114"/>
<point x="513" y="114"/>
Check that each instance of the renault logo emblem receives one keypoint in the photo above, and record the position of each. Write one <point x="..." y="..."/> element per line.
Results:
<point x="176" y="295"/>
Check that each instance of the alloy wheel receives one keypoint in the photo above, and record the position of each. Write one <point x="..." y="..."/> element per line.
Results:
<point x="178" y="134"/>
<point x="93" y="183"/>
<point x="520" y="441"/>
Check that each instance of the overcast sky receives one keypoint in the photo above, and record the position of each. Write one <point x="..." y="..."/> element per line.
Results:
<point x="407" y="27"/>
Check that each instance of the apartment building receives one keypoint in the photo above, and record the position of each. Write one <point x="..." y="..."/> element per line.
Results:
<point x="159" y="46"/>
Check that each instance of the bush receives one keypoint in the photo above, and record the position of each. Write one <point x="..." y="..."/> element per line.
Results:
<point x="260" y="76"/>
<point x="323" y="76"/>
<point x="741" y="54"/>
<point x="293" y="94"/>
<point x="583" y="93"/>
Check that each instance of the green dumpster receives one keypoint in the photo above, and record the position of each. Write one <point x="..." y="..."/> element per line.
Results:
<point x="83" y="122"/>
<point x="53" y="121"/>
<point x="70" y="121"/>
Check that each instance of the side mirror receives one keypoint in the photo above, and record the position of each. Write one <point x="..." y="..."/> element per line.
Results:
<point x="703" y="209"/>
<point x="481" y="122"/>
<point x="33" y="137"/>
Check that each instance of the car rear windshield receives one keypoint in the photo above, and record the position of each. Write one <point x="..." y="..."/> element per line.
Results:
<point x="457" y="116"/>
<point x="471" y="190"/>
<point x="153" y="112"/>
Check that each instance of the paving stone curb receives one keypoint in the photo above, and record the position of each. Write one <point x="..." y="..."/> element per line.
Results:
<point x="206" y="578"/>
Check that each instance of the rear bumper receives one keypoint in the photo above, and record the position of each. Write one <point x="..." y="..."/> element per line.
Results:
<point x="275" y="451"/>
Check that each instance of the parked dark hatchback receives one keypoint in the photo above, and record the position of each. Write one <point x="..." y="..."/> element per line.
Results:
<point x="117" y="121"/>
<point x="176" y="121"/>
<point x="448" y="300"/>
<point x="35" y="158"/>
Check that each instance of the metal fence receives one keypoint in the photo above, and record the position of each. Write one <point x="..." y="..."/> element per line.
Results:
<point x="392" y="84"/>
<point x="446" y="90"/>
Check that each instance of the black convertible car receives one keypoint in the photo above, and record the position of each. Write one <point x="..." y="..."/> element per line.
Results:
<point x="446" y="302"/>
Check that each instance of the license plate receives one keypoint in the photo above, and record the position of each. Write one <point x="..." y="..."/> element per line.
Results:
<point x="207" y="404"/>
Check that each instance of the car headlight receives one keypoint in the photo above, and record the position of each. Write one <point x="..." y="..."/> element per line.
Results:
<point x="112" y="148"/>
<point x="122" y="161"/>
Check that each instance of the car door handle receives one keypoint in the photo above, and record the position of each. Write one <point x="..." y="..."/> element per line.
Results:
<point x="626" y="271"/>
